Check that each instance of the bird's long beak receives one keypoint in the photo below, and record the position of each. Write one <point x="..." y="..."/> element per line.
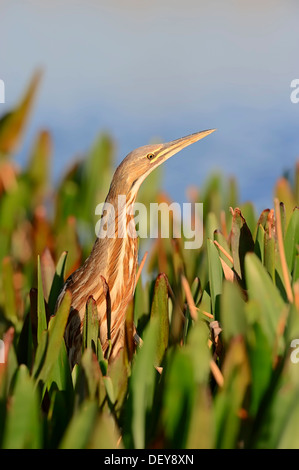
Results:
<point x="171" y="148"/>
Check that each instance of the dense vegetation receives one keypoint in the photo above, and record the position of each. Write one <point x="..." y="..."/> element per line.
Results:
<point x="214" y="369"/>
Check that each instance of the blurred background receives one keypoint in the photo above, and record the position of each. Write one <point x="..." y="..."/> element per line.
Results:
<point x="144" y="70"/>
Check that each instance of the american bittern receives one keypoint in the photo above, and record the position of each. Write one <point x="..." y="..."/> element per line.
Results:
<point x="109" y="273"/>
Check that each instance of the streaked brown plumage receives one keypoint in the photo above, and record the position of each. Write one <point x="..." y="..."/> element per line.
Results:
<point x="109" y="273"/>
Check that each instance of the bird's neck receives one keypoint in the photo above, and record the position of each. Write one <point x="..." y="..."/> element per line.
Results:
<point x="114" y="254"/>
<point x="118" y="216"/>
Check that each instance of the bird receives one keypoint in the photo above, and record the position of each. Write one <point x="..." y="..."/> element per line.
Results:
<point x="109" y="272"/>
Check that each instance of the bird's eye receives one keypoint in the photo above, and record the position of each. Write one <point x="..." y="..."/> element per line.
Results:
<point x="150" y="156"/>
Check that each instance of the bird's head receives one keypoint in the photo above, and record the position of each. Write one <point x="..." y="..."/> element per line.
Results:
<point x="139" y="163"/>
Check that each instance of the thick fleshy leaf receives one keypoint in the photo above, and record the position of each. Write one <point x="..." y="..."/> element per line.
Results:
<point x="241" y="242"/>
<point x="91" y="370"/>
<point x="263" y="218"/>
<point x="259" y="244"/>
<point x="129" y="333"/>
<point x="199" y="353"/>
<point x="80" y="428"/>
<point x="40" y="354"/>
<point x="261" y="363"/>
<point x="60" y="374"/>
<point x="211" y="226"/>
<point x="201" y="437"/>
<point x="279" y="412"/>
<point x="41" y="309"/>
<point x="159" y="310"/>
<point x="142" y="385"/>
<point x="109" y="389"/>
<point x="215" y="277"/>
<point x="90" y="326"/>
<point x="262" y="291"/>
<point x="8" y="369"/>
<point x="232" y="316"/>
<point x="23" y="426"/>
<point x="105" y="434"/>
<point x="229" y="400"/>
<point x="118" y="372"/>
<point x="56" y="329"/>
<point x="59" y="415"/>
<point x="296" y="269"/>
<point x="284" y="193"/>
<point x="289" y="438"/>
<point x="47" y="271"/>
<point x="248" y="212"/>
<point x="270" y="244"/>
<point x="225" y="252"/>
<point x="58" y="281"/>
<point x="13" y="123"/>
<point x="269" y="259"/>
<point x="178" y="399"/>
<point x="291" y="242"/>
